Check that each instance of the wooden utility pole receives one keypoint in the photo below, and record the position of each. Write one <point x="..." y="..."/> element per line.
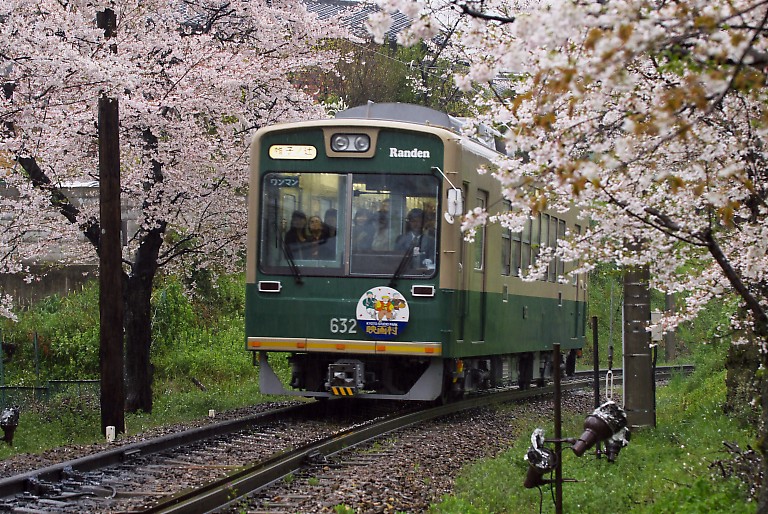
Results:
<point x="558" y="430"/>
<point x="110" y="255"/>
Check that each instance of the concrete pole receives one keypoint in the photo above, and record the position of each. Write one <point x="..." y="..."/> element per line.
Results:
<point x="639" y="401"/>
<point x="670" y="341"/>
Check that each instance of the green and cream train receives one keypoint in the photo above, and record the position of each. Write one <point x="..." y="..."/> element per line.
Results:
<point x="358" y="271"/>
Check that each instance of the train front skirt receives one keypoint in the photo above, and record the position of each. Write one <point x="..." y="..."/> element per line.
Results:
<point x="427" y="387"/>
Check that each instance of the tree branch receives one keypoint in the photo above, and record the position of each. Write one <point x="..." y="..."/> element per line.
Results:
<point x="60" y="200"/>
<point x="465" y="9"/>
<point x="753" y="304"/>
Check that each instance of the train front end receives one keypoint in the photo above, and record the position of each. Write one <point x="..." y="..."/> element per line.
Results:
<point x="344" y="259"/>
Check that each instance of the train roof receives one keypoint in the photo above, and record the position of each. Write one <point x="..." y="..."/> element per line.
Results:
<point x="418" y="114"/>
<point x="402" y="112"/>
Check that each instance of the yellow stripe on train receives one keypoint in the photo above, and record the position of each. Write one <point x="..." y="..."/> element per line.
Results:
<point x="342" y="391"/>
<point x="287" y="344"/>
<point x="277" y="344"/>
<point x="431" y="349"/>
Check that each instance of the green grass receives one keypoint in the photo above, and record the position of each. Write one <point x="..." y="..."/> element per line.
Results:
<point x="59" y="423"/>
<point x="76" y="421"/>
<point x="178" y="406"/>
<point x="663" y="470"/>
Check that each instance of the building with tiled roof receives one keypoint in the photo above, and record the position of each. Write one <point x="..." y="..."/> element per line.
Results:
<point x="353" y="14"/>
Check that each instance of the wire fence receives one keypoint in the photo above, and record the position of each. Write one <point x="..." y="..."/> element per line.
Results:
<point x="52" y="390"/>
<point x="24" y="396"/>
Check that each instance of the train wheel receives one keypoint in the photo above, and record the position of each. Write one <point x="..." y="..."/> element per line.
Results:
<point x="449" y="393"/>
<point x="547" y="367"/>
<point x="570" y="363"/>
<point x="525" y="370"/>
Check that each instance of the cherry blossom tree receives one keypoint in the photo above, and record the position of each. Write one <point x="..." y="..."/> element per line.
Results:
<point x="651" y="116"/>
<point x="194" y="80"/>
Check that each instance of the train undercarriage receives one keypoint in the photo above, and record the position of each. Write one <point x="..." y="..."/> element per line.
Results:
<point x="392" y="377"/>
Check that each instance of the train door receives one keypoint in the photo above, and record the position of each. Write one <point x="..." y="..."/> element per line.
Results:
<point x="476" y="261"/>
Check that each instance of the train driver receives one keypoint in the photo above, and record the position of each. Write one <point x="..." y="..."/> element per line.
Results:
<point x="417" y="239"/>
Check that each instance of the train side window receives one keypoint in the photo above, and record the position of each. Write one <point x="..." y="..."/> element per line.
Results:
<point x="516" y="249"/>
<point x="506" y="245"/>
<point x="560" y="235"/>
<point x="545" y="238"/>
<point x="525" y="254"/>
<point x="480" y="235"/>
<point x="575" y="277"/>
<point x="553" y="244"/>
<point x="535" y="239"/>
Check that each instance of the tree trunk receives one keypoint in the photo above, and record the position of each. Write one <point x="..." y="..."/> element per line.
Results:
<point x="138" y="323"/>
<point x="742" y="381"/>
<point x="138" y="340"/>
<point x="137" y="288"/>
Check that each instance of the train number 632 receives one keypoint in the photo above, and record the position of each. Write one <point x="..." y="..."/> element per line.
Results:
<point x="343" y="326"/>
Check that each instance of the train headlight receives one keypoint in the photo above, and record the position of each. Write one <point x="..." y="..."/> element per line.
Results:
<point x="350" y="143"/>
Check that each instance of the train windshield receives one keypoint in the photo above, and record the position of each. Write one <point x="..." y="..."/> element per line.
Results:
<point x="349" y="224"/>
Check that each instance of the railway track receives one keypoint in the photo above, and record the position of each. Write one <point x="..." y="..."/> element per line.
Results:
<point x="226" y="491"/>
<point x="208" y="467"/>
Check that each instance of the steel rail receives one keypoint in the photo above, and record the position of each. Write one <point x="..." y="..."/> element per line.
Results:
<point x="660" y="370"/>
<point x="19" y="483"/>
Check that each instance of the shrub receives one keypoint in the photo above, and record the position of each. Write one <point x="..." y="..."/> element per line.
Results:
<point x="67" y="336"/>
<point x="185" y="344"/>
<point x="172" y="314"/>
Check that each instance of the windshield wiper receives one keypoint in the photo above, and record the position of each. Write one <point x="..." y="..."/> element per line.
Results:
<point x="291" y="263"/>
<point x="401" y="267"/>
